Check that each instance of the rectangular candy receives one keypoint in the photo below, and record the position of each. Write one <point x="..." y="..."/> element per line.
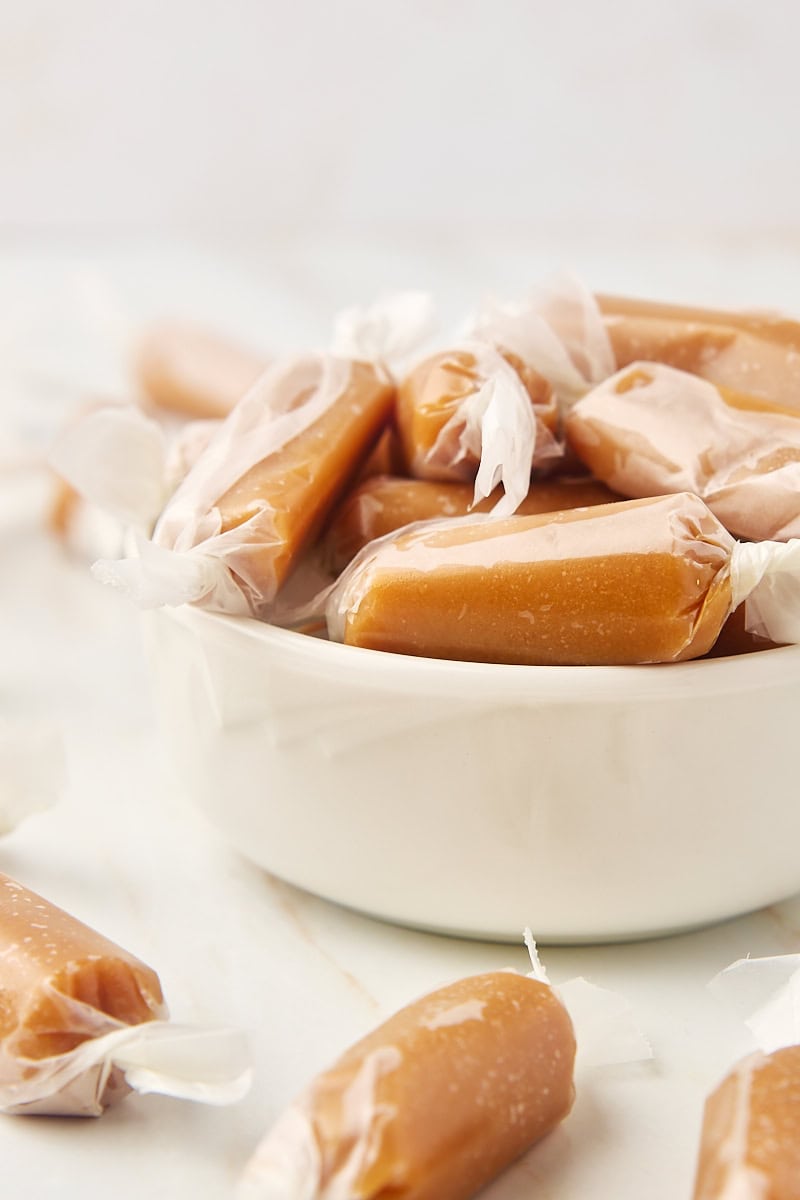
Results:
<point x="640" y="581"/>
<point x="751" y="352"/>
<point x="432" y="1104"/>
<point x="384" y="503"/>
<point x="82" y="1021"/>
<point x="651" y="430"/>
<point x="257" y="496"/>
<point x="750" y="1142"/>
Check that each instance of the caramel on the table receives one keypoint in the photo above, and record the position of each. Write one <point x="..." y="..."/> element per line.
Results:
<point x="432" y="394"/>
<point x="652" y="429"/>
<point x="441" y="1097"/>
<point x="384" y="503"/>
<point x="751" y="352"/>
<point x="61" y="982"/>
<point x="302" y="481"/>
<point x="185" y="369"/>
<point x="640" y="581"/>
<point x="750" y="1142"/>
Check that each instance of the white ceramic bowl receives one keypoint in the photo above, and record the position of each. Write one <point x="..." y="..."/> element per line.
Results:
<point x="591" y="803"/>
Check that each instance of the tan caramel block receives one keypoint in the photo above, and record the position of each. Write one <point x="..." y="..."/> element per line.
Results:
<point x="185" y="369"/>
<point x="301" y="482"/>
<point x="641" y="581"/>
<point x="750" y="1143"/>
<point x="54" y="970"/>
<point x="446" y="1094"/>
<point x="754" y="353"/>
<point x="431" y="395"/>
<point x="652" y="429"/>
<point x="384" y="504"/>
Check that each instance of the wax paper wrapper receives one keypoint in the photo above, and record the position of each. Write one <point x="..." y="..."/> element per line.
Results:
<point x="652" y="429"/>
<point x="32" y="770"/>
<point x="765" y="993"/>
<point x="765" y="576"/>
<point x="292" y="1164"/>
<point x="267" y="462"/>
<point x="495" y="427"/>
<point x="749" y="1146"/>
<point x="207" y="1065"/>
<point x="556" y="335"/>
<point x="558" y="331"/>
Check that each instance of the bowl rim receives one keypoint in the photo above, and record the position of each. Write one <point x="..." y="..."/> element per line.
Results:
<point x="763" y="670"/>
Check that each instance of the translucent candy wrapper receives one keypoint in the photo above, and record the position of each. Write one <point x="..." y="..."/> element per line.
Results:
<point x="384" y="503"/>
<point x="254" y="499"/>
<point x="750" y="1143"/>
<point x="116" y="458"/>
<point x="446" y="1093"/>
<point x="434" y="1103"/>
<point x="757" y="353"/>
<point x="386" y="331"/>
<point x="652" y="429"/>
<point x="32" y="771"/>
<point x="84" y="1022"/>
<point x="558" y="331"/>
<point x="469" y="414"/>
<point x="124" y="465"/>
<point x="638" y="581"/>
<point x="488" y="409"/>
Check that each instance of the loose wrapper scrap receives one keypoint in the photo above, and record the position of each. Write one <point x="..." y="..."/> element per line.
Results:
<point x="288" y="1165"/>
<point x="765" y="993"/>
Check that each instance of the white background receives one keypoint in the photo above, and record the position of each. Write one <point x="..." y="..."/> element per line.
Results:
<point x="258" y="119"/>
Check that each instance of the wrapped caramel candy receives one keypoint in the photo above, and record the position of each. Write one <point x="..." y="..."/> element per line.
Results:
<point x="441" y="407"/>
<point x="432" y="1104"/>
<point x="488" y="409"/>
<point x="640" y="581"/>
<point x="384" y="503"/>
<point x="750" y="1142"/>
<point x="651" y="430"/>
<point x="184" y="369"/>
<point x="750" y="352"/>
<point x="82" y="1021"/>
<point x="258" y="494"/>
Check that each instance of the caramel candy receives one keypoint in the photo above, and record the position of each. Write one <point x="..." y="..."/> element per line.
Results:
<point x="432" y="415"/>
<point x="185" y="369"/>
<point x="755" y="353"/>
<point x="384" y="504"/>
<point x="62" y="982"/>
<point x="640" y="581"/>
<point x="258" y="495"/>
<point x="432" y="1104"/>
<point x="651" y="429"/>
<point x="750" y="1143"/>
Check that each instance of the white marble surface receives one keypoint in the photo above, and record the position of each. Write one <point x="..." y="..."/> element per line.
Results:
<point x="124" y="850"/>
